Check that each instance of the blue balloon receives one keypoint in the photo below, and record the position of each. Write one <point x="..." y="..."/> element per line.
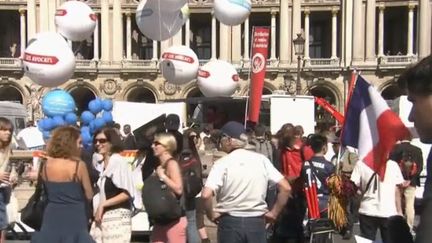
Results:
<point x="57" y="102"/>
<point x="46" y="135"/>
<point x="92" y="127"/>
<point x="85" y="129"/>
<point x="86" y="137"/>
<point x="99" y="123"/>
<point x="48" y="124"/>
<point x="95" y="106"/>
<point x="107" y="116"/>
<point x="71" y="118"/>
<point x="107" y="105"/>
<point x="41" y="125"/>
<point x="58" y="121"/>
<point x="87" y="117"/>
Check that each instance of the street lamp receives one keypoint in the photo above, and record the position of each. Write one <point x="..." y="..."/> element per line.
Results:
<point x="299" y="44"/>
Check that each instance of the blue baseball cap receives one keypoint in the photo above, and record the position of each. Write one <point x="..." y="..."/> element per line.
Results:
<point x="233" y="129"/>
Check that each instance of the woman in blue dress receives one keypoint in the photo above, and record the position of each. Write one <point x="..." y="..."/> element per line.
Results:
<point x="68" y="188"/>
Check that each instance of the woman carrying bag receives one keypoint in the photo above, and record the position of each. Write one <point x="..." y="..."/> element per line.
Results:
<point x="171" y="226"/>
<point x="112" y="206"/>
<point x="6" y="130"/>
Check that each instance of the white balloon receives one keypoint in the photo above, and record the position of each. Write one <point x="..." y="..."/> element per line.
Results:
<point x="217" y="78"/>
<point x="179" y="64"/>
<point x="232" y="12"/>
<point x="158" y="22"/>
<point x="75" y="20"/>
<point x="48" y="60"/>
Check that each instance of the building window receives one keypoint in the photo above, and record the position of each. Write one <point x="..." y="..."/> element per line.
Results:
<point x="10" y="34"/>
<point x="396" y="29"/>
<point x="319" y="34"/>
<point x="201" y="35"/>
<point x="259" y="20"/>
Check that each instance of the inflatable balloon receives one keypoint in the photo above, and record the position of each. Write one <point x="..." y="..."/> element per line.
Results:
<point x="87" y="117"/>
<point x="57" y="102"/>
<point x="46" y="135"/>
<point x="48" y="60"/>
<point x="232" y="12"/>
<point x="179" y="64"/>
<point x="75" y="20"/>
<point x="58" y="121"/>
<point x="158" y="22"/>
<point x="86" y="136"/>
<point x="217" y="78"/>
<point x="49" y="124"/>
<point x="71" y="118"/>
<point x="107" y="105"/>
<point x="99" y="123"/>
<point x="95" y="106"/>
<point x="107" y="117"/>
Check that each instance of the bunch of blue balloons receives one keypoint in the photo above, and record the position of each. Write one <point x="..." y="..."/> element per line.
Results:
<point x="97" y="116"/>
<point x="59" y="109"/>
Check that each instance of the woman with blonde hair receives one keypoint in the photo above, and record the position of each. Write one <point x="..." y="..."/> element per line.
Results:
<point x="67" y="185"/>
<point x="168" y="171"/>
<point x="113" y="204"/>
<point x="6" y="130"/>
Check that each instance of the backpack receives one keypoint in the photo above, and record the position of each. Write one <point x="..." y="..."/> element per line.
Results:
<point x="190" y="166"/>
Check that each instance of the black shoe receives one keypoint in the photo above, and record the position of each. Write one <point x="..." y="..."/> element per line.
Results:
<point x="347" y="235"/>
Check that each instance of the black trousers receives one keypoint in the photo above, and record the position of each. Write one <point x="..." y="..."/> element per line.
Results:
<point x="369" y="226"/>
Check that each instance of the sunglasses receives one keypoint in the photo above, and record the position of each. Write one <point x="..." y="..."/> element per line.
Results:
<point x="100" y="141"/>
<point x="156" y="143"/>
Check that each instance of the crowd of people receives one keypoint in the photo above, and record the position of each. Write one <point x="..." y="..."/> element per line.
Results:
<point x="254" y="191"/>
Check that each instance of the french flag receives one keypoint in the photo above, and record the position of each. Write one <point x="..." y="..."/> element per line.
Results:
<point x="371" y="127"/>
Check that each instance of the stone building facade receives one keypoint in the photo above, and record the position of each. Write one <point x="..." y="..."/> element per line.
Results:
<point x="380" y="38"/>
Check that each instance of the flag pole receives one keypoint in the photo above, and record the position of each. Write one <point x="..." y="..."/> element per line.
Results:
<point x="249" y="78"/>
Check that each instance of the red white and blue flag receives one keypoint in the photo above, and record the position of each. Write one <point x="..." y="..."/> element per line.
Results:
<point x="371" y="126"/>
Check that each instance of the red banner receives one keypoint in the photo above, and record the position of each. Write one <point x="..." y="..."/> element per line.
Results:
<point x="330" y="109"/>
<point x="260" y="45"/>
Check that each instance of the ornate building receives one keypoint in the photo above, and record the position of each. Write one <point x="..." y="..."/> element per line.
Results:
<point x="377" y="37"/>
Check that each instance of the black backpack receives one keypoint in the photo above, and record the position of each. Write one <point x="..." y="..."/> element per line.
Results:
<point x="190" y="166"/>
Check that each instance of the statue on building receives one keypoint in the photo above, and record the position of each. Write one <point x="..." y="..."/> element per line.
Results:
<point x="34" y="104"/>
<point x="13" y="49"/>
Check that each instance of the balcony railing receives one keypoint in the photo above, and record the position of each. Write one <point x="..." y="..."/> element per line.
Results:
<point x="331" y="62"/>
<point x="397" y="60"/>
<point x="85" y="64"/>
<point x="209" y="3"/>
<point x="6" y="62"/>
<point x="137" y="64"/>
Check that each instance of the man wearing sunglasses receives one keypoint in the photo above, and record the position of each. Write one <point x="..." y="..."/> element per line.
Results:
<point x="239" y="181"/>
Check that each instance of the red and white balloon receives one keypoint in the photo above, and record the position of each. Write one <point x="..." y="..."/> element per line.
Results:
<point x="75" y="20"/>
<point x="179" y="64"/>
<point x="48" y="60"/>
<point x="217" y="79"/>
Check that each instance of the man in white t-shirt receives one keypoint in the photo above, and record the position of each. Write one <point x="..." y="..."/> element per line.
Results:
<point x="380" y="199"/>
<point x="239" y="181"/>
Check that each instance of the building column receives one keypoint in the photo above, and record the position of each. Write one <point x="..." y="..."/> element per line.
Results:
<point x="155" y="51"/>
<point x="31" y="18"/>
<point x="213" y="38"/>
<point x="96" y="40"/>
<point x="410" y="36"/>
<point x="128" y="36"/>
<point x="117" y="34"/>
<point x="306" y="33"/>
<point x="381" y="31"/>
<point x="187" y="33"/>
<point x="236" y="44"/>
<point x="346" y="29"/>
<point x="44" y="16"/>
<point x="246" y="40"/>
<point x="105" y="31"/>
<point x="334" y="34"/>
<point x="23" y="37"/>
<point x="284" y="50"/>
<point x="296" y="25"/>
<point x="357" y="34"/>
<point x="224" y="42"/>
<point x="273" y="35"/>
<point x="424" y="36"/>
<point x="370" y="33"/>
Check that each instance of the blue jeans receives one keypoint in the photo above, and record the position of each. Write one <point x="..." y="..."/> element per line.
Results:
<point x="241" y="229"/>
<point x="192" y="230"/>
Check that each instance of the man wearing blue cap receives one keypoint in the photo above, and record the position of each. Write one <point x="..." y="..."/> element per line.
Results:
<point x="239" y="181"/>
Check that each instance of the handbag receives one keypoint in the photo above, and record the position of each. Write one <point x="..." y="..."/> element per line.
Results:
<point x="32" y="213"/>
<point x="159" y="201"/>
